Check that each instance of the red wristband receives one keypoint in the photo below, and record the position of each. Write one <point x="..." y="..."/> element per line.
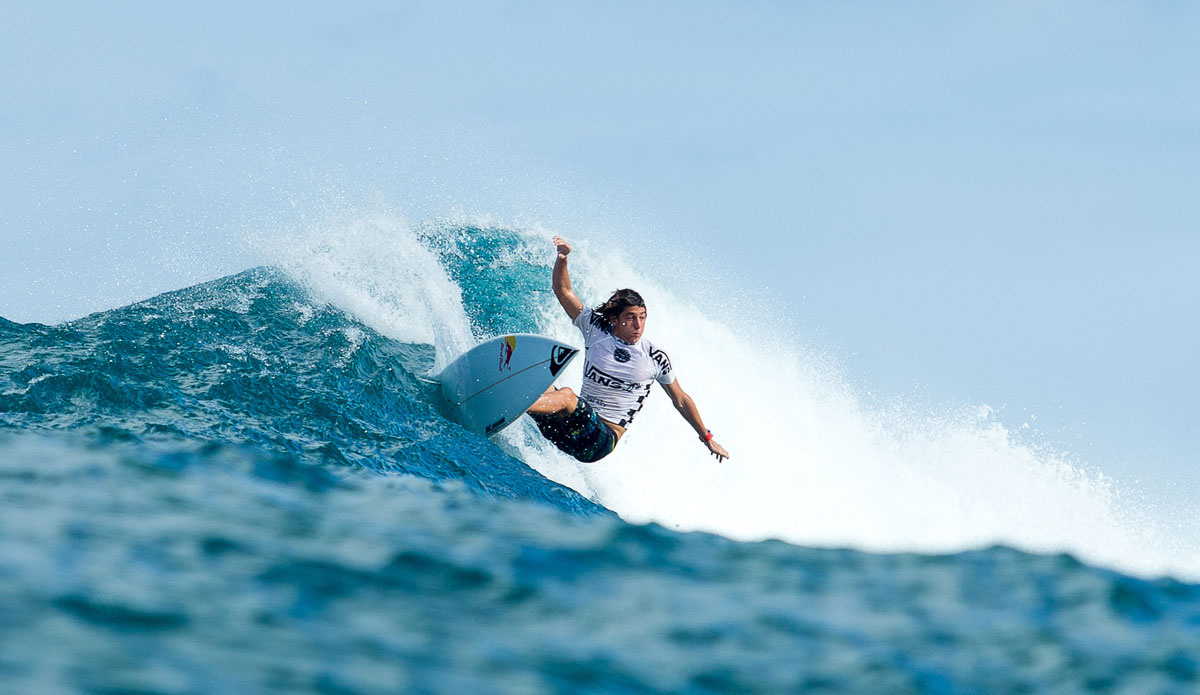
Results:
<point x="707" y="438"/>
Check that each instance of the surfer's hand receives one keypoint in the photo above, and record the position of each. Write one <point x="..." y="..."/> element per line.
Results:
<point x="563" y="247"/>
<point x="717" y="450"/>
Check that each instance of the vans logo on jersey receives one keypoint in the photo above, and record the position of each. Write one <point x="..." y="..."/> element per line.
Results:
<point x="608" y="380"/>
<point x="621" y="355"/>
<point x="660" y="357"/>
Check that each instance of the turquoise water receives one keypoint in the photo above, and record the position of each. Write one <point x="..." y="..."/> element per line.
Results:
<point x="241" y="487"/>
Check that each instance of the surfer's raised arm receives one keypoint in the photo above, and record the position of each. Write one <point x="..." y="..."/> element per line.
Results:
<point x="618" y="369"/>
<point x="561" y="281"/>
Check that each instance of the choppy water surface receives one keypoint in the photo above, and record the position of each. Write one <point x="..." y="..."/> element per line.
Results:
<point x="185" y="568"/>
<point x="243" y="487"/>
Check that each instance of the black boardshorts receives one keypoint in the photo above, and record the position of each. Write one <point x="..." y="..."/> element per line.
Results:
<point x="581" y="434"/>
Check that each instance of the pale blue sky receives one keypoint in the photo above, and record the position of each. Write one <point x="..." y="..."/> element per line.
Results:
<point x="964" y="202"/>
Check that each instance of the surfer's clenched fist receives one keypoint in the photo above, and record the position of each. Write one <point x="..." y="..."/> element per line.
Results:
<point x="563" y="247"/>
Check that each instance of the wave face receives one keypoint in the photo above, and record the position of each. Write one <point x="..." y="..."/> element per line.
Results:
<point x="243" y="487"/>
<point x="252" y="360"/>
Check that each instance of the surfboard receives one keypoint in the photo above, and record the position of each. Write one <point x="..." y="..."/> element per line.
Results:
<point x="488" y="387"/>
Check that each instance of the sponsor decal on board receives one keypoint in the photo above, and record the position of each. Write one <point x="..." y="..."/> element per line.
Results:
<point x="559" y="356"/>
<point x="507" y="348"/>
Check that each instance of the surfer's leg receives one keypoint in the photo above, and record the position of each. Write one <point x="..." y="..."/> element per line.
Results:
<point x="581" y="434"/>
<point x="555" y="402"/>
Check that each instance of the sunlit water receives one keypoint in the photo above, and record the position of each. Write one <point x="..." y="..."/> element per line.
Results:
<point x="244" y="486"/>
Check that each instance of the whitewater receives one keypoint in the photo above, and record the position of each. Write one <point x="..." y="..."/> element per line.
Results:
<point x="816" y="462"/>
<point x="244" y="486"/>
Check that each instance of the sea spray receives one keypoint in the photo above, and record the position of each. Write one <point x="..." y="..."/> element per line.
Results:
<point x="241" y="487"/>
<point x="381" y="271"/>
<point x="814" y="462"/>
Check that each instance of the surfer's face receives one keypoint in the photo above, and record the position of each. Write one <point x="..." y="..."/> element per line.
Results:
<point x="630" y="324"/>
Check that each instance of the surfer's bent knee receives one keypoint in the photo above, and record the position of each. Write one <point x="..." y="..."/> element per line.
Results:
<point x="570" y="400"/>
<point x="556" y="402"/>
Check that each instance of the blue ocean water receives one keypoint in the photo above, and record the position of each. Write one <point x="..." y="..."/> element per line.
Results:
<point x="243" y="487"/>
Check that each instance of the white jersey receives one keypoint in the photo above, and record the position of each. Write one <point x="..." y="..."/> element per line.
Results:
<point x="617" y="376"/>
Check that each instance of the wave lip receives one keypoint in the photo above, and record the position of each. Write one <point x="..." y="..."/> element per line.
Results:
<point x="322" y="357"/>
<point x="252" y="359"/>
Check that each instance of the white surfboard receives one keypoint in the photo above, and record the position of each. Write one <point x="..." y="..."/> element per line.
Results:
<point x="489" y="386"/>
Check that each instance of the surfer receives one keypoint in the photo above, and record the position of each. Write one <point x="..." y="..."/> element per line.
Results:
<point x="619" y="369"/>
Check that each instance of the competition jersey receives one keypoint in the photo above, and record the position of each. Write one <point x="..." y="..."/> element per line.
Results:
<point x="617" y="376"/>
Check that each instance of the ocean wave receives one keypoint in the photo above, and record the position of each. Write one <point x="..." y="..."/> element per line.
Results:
<point x="252" y="359"/>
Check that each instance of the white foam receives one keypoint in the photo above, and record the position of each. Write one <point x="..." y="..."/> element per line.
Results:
<point x="378" y="270"/>
<point x="813" y="463"/>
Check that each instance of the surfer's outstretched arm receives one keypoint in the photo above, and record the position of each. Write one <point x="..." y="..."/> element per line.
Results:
<point x="687" y="408"/>
<point x="561" y="281"/>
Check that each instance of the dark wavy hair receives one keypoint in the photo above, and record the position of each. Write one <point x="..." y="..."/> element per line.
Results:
<point x="618" y="302"/>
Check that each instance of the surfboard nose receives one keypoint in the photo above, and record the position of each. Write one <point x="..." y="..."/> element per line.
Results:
<point x="489" y="386"/>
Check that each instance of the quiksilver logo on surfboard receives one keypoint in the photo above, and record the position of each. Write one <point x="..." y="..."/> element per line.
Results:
<point x="559" y="356"/>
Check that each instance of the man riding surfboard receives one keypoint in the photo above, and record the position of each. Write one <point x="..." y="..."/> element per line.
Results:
<point x="620" y="367"/>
